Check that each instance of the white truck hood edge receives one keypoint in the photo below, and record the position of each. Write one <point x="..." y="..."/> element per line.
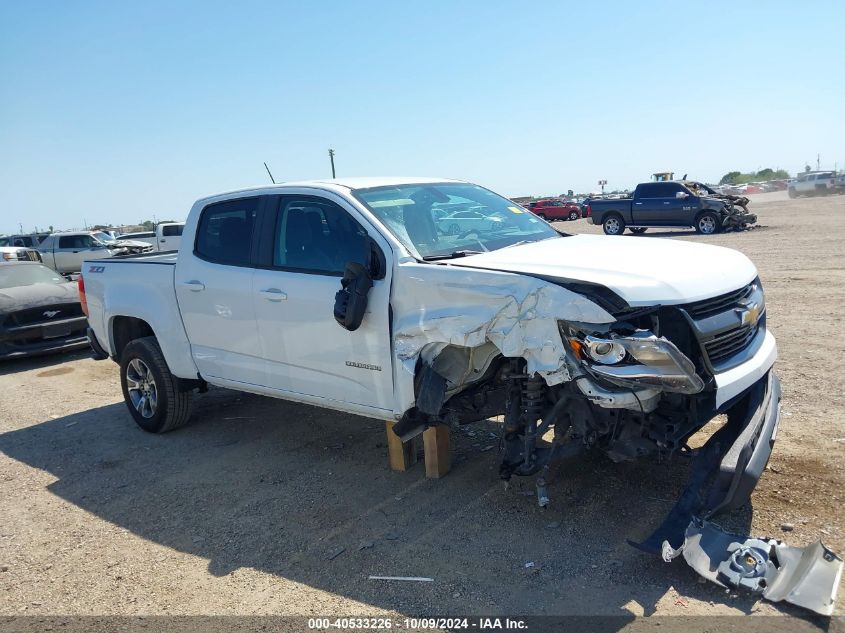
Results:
<point x="642" y="271"/>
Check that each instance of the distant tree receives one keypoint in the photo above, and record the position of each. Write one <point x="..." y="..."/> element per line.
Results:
<point x="739" y="178"/>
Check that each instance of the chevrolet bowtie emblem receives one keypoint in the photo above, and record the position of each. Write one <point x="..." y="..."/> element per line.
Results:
<point x="749" y="314"/>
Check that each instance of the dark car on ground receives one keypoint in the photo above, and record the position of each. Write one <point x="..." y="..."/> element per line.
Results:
<point x="553" y="209"/>
<point x="681" y="203"/>
<point x="40" y="311"/>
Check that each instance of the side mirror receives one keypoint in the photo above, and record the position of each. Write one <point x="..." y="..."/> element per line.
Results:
<point x="681" y="195"/>
<point x="350" y="302"/>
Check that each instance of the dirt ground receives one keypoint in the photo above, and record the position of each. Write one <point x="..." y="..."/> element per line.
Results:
<point x="266" y="507"/>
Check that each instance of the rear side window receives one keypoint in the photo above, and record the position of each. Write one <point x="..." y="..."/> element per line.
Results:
<point x="172" y="231"/>
<point x="224" y="234"/>
<point x="316" y="235"/>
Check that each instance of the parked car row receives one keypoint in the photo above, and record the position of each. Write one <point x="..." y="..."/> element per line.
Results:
<point x="64" y="252"/>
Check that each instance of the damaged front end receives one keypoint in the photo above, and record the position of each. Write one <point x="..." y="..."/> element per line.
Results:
<point x="631" y="382"/>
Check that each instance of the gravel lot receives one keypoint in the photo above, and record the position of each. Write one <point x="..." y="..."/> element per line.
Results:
<point x="262" y="506"/>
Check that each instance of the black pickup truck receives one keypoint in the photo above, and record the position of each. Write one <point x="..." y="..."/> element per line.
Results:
<point x="677" y="203"/>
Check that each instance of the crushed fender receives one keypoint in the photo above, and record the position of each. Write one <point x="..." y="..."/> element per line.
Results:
<point x="806" y="577"/>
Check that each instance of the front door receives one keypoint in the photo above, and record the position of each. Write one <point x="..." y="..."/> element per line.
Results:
<point x="214" y="290"/>
<point x="309" y="241"/>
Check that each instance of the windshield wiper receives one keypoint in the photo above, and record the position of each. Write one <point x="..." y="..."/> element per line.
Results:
<point x="452" y="255"/>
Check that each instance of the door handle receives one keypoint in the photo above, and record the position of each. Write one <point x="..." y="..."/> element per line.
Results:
<point x="273" y="294"/>
<point x="193" y="285"/>
<point x="638" y="203"/>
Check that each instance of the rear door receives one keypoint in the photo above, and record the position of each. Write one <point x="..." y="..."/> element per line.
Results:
<point x="214" y="291"/>
<point x="306" y="242"/>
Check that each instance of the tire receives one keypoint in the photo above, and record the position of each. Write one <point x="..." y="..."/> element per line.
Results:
<point x="792" y="193"/>
<point x="707" y="223"/>
<point x="613" y="224"/>
<point x="150" y="390"/>
<point x="542" y="216"/>
<point x="639" y="230"/>
<point x="574" y="215"/>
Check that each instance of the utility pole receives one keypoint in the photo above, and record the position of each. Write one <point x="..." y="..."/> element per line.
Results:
<point x="331" y="158"/>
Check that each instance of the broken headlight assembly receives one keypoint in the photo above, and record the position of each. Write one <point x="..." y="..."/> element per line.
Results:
<point x="640" y="359"/>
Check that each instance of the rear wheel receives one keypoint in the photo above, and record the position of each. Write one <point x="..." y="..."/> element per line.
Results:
<point x="150" y="390"/>
<point x="707" y="223"/>
<point x="613" y="224"/>
<point x="638" y="229"/>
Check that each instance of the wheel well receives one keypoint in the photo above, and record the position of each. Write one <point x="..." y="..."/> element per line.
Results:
<point x="125" y="330"/>
<point x="611" y="214"/>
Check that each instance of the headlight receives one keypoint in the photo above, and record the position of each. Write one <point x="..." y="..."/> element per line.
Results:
<point x="638" y="360"/>
<point x="604" y="351"/>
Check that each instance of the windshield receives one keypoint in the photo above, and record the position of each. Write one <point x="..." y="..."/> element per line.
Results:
<point x="12" y="276"/>
<point x="452" y="219"/>
<point x="103" y="237"/>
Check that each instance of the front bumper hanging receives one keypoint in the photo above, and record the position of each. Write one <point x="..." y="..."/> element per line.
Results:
<point x="724" y="473"/>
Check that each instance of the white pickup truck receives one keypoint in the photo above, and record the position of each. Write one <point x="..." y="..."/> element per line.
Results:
<point x="167" y="236"/>
<point x="347" y="294"/>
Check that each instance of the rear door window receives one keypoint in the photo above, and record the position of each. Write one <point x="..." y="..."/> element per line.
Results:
<point x="225" y="230"/>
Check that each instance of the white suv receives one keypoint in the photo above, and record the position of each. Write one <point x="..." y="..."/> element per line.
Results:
<point x="814" y="183"/>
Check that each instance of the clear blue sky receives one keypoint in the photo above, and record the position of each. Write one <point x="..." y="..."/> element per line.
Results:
<point x="118" y="111"/>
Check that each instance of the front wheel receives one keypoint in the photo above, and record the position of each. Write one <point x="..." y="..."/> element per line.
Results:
<point x="792" y="193"/>
<point x="639" y="230"/>
<point x="707" y="223"/>
<point x="613" y="225"/>
<point x="150" y="390"/>
<point x="574" y="215"/>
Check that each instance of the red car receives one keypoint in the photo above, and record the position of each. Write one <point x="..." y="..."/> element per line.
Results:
<point x="552" y="209"/>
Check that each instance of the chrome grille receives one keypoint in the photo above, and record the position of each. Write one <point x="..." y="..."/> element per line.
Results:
<point x="725" y="345"/>
<point x="709" y="307"/>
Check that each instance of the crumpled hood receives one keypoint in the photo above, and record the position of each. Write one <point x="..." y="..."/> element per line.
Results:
<point x="643" y="271"/>
<point x="23" y="297"/>
<point x="130" y="243"/>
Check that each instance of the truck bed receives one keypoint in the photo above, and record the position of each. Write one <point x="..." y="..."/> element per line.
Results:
<point x="138" y="287"/>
